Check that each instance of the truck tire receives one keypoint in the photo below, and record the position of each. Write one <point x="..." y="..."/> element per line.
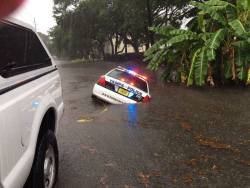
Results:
<point x="45" y="169"/>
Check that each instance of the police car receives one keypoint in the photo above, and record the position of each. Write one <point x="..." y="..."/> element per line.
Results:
<point x="121" y="86"/>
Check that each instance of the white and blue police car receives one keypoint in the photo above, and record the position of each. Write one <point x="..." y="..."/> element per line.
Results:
<point x="122" y="86"/>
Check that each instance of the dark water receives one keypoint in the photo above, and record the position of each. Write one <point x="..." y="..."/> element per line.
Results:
<point x="183" y="138"/>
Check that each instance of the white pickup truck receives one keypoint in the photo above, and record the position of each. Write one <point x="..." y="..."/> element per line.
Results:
<point x="31" y="107"/>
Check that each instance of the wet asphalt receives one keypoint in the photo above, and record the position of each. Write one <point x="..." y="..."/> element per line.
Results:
<point x="183" y="138"/>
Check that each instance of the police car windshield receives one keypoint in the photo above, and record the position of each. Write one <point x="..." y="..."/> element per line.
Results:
<point x="129" y="78"/>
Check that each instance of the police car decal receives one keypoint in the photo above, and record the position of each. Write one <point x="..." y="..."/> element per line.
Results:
<point x="130" y="89"/>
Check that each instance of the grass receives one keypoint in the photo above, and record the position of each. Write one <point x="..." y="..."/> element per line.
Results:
<point x="76" y="61"/>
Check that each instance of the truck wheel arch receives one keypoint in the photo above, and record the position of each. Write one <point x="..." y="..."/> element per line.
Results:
<point x="48" y="123"/>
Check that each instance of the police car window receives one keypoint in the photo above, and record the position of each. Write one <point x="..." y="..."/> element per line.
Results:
<point x="139" y="83"/>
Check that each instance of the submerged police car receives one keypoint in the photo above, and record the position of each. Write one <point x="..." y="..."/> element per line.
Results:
<point x="120" y="86"/>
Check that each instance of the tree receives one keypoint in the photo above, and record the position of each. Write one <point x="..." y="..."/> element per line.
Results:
<point x="217" y="42"/>
<point x="83" y="27"/>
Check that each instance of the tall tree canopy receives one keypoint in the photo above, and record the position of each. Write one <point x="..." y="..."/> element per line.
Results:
<point x="83" y="26"/>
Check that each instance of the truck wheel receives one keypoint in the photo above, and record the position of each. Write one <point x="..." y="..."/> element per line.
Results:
<point x="45" y="169"/>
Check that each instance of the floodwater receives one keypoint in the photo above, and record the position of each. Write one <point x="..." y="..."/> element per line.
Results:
<point x="183" y="138"/>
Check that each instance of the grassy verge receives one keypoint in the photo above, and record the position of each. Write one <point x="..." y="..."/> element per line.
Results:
<point x="80" y="61"/>
<point x="84" y="61"/>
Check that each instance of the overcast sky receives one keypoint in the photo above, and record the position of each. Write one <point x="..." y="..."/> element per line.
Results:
<point x="38" y="10"/>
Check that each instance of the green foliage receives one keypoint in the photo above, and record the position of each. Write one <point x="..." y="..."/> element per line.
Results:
<point x="215" y="40"/>
<point x="219" y="33"/>
<point x="85" y="27"/>
<point x="237" y="27"/>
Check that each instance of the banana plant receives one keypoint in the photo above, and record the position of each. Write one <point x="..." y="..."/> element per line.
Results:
<point x="220" y="33"/>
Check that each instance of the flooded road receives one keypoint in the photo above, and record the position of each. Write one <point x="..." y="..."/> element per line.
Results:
<point x="183" y="138"/>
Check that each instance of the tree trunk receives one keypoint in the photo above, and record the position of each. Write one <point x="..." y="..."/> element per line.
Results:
<point x="147" y="45"/>
<point x="116" y="44"/>
<point x="150" y="21"/>
<point x="232" y="59"/>
<point x="126" y="49"/>
<point x="210" y="78"/>
<point x="102" y="50"/>
<point x="136" y="47"/>
<point x="126" y="46"/>
<point x="112" y="46"/>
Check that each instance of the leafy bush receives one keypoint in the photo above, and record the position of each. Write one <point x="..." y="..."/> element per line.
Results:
<point x="215" y="46"/>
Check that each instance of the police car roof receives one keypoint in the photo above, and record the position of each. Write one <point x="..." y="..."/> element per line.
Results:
<point x="136" y="75"/>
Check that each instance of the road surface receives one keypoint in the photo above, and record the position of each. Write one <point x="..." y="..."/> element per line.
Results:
<point x="183" y="138"/>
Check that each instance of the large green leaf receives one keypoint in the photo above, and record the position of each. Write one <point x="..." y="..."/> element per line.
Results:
<point x="248" y="76"/>
<point x="201" y="22"/>
<point x="218" y="10"/>
<point x="200" y="67"/>
<point x="210" y="5"/>
<point x="227" y="69"/>
<point x="217" y="3"/>
<point x="212" y="8"/>
<point x="175" y="32"/>
<point x="191" y="72"/>
<point x="231" y="12"/>
<point x="163" y="30"/>
<point x="241" y="44"/>
<point x="243" y="5"/>
<point x="240" y="65"/>
<point x="242" y="62"/>
<point x="158" y="58"/>
<point x="238" y="27"/>
<point x="181" y="38"/>
<point x="215" y="41"/>
<point x="217" y="16"/>
<point x="157" y="46"/>
<point x="211" y="54"/>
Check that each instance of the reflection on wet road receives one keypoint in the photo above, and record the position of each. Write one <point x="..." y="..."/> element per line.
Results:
<point x="132" y="113"/>
<point x="182" y="138"/>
